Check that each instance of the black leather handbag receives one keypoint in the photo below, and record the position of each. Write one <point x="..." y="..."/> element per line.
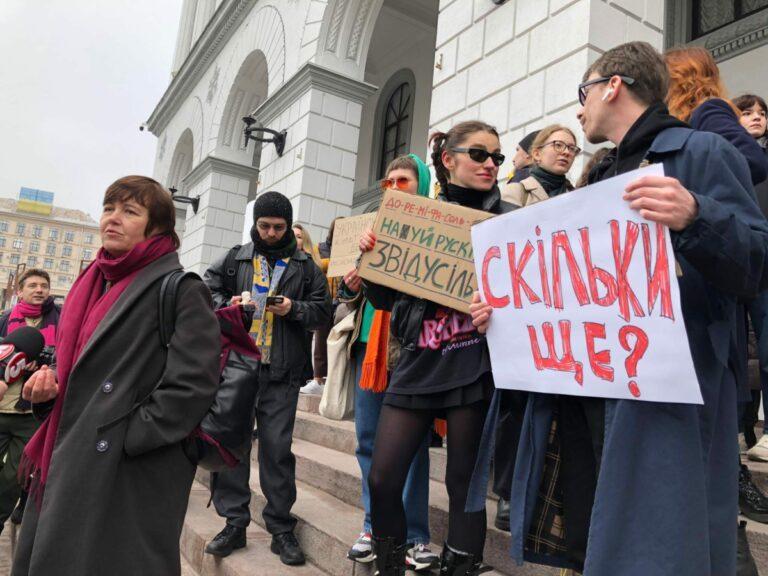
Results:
<point x="223" y="437"/>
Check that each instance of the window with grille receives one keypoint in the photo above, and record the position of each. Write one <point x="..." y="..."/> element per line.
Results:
<point x="3" y="226"/>
<point x="69" y="237"/>
<point x="710" y="15"/>
<point x="53" y="234"/>
<point x="37" y="231"/>
<point x="15" y="258"/>
<point x="20" y="228"/>
<point x="31" y="261"/>
<point x="48" y="264"/>
<point x="34" y="246"/>
<point x="66" y="251"/>
<point x="396" y="126"/>
<point x="18" y="244"/>
<point x="88" y="239"/>
<point x="50" y="249"/>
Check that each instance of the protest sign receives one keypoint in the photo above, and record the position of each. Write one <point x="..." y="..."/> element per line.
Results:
<point x="586" y="300"/>
<point x="423" y="248"/>
<point x="345" y="249"/>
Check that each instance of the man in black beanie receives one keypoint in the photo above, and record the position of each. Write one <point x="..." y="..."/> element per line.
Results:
<point x="291" y="298"/>
<point x="522" y="159"/>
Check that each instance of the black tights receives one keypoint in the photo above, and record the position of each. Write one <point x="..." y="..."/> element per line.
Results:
<point x="399" y="435"/>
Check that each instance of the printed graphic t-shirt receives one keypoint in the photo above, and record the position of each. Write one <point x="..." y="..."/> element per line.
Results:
<point x="450" y="353"/>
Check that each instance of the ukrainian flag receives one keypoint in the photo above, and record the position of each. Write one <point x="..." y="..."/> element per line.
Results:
<point x="35" y="201"/>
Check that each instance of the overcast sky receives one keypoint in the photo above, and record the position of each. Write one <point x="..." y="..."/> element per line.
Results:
<point x="78" y="78"/>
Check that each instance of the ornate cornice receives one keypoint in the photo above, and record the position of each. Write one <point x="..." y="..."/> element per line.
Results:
<point x="212" y="164"/>
<point x="224" y="22"/>
<point x="739" y="37"/>
<point x="311" y="76"/>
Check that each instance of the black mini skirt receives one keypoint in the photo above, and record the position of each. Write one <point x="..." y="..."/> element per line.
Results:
<point x="481" y="390"/>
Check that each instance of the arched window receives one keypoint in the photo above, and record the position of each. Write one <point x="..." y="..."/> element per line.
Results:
<point x="396" y="125"/>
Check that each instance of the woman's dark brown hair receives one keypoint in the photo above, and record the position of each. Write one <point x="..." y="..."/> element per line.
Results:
<point x="597" y="157"/>
<point x="746" y="101"/>
<point x="456" y="136"/>
<point x="150" y="194"/>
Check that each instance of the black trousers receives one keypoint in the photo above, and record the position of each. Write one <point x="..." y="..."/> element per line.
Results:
<point x="275" y="414"/>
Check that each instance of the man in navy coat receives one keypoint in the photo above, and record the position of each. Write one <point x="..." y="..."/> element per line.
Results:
<point x="654" y="490"/>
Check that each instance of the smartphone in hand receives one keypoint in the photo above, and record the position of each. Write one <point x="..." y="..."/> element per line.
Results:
<point x="272" y="300"/>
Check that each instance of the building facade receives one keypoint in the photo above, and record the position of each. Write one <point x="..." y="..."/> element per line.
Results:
<point x="60" y="243"/>
<point x="355" y="82"/>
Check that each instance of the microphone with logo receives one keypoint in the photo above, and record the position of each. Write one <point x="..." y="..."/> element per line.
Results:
<point x="19" y="355"/>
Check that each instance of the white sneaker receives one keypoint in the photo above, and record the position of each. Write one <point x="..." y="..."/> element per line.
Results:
<point x="420" y="557"/>
<point x="362" y="549"/>
<point x="312" y="387"/>
<point x="759" y="452"/>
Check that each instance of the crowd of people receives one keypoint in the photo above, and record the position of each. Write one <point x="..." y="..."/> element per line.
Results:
<point x="578" y="488"/>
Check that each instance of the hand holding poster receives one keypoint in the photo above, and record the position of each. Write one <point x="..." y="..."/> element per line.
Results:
<point x="585" y="298"/>
<point x="423" y="248"/>
<point x="345" y="249"/>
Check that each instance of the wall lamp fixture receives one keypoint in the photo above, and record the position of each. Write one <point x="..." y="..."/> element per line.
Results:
<point x="278" y="137"/>
<point x="195" y="202"/>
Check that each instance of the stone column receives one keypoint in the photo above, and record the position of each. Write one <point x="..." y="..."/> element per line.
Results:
<point x="222" y="187"/>
<point x="321" y="111"/>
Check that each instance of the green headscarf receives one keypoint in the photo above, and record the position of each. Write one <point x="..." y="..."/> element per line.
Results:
<point x="423" y="174"/>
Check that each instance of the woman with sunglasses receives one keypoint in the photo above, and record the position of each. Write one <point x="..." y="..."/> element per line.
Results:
<point x="444" y="370"/>
<point x="373" y="354"/>
<point x="553" y="151"/>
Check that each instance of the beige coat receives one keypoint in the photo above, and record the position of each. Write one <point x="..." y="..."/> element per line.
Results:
<point x="524" y="193"/>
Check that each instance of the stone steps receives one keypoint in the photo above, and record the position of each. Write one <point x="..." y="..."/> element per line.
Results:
<point x="202" y="524"/>
<point x="328" y="524"/>
<point x="329" y="511"/>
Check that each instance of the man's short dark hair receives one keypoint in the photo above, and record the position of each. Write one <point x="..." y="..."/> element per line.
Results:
<point x="29" y="272"/>
<point x="639" y="61"/>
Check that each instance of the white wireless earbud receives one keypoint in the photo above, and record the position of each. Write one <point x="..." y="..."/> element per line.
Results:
<point x="607" y="94"/>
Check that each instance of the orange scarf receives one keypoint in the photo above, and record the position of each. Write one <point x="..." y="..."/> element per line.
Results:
<point x="374" y="376"/>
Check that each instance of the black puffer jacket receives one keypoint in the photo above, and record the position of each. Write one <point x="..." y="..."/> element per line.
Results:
<point x="408" y="311"/>
<point x="304" y="283"/>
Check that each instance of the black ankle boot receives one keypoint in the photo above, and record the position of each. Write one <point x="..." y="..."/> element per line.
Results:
<point x="390" y="557"/>
<point x="455" y="563"/>
<point x="752" y="502"/>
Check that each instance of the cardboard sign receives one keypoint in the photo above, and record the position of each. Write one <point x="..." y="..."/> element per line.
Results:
<point x="586" y="300"/>
<point x="423" y="248"/>
<point x="345" y="249"/>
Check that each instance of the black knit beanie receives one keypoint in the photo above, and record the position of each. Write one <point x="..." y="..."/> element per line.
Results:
<point x="527" y="141"/>
<point x="273" y="205"/>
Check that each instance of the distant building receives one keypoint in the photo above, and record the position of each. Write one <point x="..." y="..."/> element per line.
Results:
<point x="34" y="233"/>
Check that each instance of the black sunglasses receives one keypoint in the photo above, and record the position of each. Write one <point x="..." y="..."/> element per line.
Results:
<point x="583" y="86"/>
<point x="481" y="155"/>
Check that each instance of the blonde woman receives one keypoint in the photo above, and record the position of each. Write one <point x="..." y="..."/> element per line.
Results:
<point x="553" y="150"/>
<point x="320" y="354"/>
<point x="304" y="242"/>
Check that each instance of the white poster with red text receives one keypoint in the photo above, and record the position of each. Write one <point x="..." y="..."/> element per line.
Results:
<point x="586" y="299"/>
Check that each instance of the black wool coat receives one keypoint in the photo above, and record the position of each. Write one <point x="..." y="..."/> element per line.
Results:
<point x="119" y="480"/>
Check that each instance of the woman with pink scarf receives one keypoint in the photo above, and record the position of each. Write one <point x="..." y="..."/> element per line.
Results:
<point x="107" y="470"/>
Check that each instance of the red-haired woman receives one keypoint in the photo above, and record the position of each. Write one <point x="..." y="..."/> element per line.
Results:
<point x="696" y="95"/>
